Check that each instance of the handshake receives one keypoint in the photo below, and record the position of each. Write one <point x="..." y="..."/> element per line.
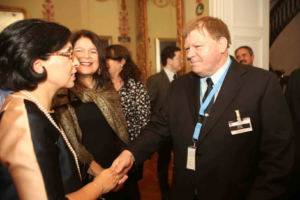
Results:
<point x="114" y="177"/>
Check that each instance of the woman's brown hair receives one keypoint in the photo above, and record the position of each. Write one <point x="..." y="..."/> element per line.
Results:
<point x="130" y="69"/>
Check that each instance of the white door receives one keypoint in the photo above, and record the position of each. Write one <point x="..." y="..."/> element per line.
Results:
<point x="248" y="23"/>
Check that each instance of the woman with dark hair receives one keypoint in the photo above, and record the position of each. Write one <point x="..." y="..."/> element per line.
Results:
<point x="91" y="112"/>
<point x="36" y="159"/>
<point x="126" y="79"/>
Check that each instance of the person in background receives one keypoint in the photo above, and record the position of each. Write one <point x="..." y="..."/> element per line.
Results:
<point x="292" y="96"/>
<point x="1" y="99"/>
<point x="91" y="112"/>
<point x="244" y="55"/>
<point x="5" y="93"/>
<point x="36" y="159"/>
<point x="126" y="79"/>
<point x="157" y="86"/>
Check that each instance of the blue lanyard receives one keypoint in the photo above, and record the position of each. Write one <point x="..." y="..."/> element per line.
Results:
<point x="207" y="101"/>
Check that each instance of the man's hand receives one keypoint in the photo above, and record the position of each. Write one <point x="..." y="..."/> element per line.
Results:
<point x="123" y="163"/>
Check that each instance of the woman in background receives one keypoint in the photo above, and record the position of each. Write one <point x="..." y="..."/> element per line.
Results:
<point x="91" y="111"/>
<point x="36" y="159"/>
<point x="126" y="79"/>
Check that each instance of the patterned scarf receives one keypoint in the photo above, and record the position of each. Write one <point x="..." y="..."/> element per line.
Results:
<point x="108" y="101"/>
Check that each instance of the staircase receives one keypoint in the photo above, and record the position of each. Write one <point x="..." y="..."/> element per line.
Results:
<point x="281" y="15"/>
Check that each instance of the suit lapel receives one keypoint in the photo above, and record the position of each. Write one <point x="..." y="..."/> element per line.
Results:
<point x="165" y="78"/>
<point x="193" y="94"/>
<point x="231" y="85"/>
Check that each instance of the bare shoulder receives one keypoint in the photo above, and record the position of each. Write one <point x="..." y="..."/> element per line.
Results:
<point x="14" y="121"/>
<point x="13" y="107"/>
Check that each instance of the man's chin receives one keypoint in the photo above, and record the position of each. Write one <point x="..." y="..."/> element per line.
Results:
<point x="197" y="72"/>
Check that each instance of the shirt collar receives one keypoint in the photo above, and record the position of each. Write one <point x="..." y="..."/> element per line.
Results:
<point x="169" y="74"/>
<point x="216" y="76"/>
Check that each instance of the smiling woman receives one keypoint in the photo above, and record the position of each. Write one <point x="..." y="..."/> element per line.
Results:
<point x="36" y="159"/>
<point x="91" y="112"/>
<point x="87" y="54"/>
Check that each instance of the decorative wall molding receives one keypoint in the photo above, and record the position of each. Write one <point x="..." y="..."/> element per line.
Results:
<point x="216" y="9"/>
<point x="142" y="41"/>
<point x="124" y="28"/>
<point x="15" y="9"/>
<point x="163" y="3"/>
<point x="48" y="11"/>
<point x="180" y="40"/>
<point x="239" y="21"/>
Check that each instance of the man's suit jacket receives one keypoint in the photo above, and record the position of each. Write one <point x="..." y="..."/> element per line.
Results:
<point x="252" y="165"/>
<point x="292" y="95"/>
<point x="157" y="86"/>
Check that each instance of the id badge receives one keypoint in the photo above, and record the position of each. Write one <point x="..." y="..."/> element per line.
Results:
<point x="240" y="126"/>
<point x="191" y="160"/>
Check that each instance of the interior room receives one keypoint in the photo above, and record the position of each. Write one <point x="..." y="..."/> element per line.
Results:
<point x="145" y="27"/>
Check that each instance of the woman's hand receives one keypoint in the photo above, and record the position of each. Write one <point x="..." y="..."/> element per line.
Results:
<point x="118" y="187"/>
<point x="102" y="183"/>
<point x="108" y="179"/>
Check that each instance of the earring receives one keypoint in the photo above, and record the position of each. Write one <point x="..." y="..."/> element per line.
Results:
<point x="99" y="71"/>
<point x="121" y="65"/>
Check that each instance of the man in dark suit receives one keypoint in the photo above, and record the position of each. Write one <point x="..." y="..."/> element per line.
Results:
<point x="157" y="86"/>
<point x="292" y="95"/>
<point x="244" y="149"/>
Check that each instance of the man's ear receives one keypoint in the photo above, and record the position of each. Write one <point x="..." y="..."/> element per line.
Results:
<point x="252" y="57"/>
<point x="169" y="61"/>
<point x="38" y="66"/>
<point x="222" y="44"/>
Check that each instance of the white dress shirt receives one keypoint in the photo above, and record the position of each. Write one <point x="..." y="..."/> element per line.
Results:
<point x="170" y="74"/>
<point x="215" y="78"/>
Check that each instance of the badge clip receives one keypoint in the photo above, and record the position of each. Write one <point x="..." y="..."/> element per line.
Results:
<point x="195" y="142"/>
<point x="238" y="116"/>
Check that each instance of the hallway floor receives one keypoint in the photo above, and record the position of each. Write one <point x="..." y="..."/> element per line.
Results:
<point x="149" y="186"/>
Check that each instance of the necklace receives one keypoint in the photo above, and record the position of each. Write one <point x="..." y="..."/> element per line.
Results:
<point x="43" y="109"/>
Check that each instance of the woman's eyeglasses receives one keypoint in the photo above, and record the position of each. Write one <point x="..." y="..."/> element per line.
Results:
<point x="69" y="54"/>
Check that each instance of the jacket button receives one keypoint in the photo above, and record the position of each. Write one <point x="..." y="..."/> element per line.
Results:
<point x="198" y="154"/>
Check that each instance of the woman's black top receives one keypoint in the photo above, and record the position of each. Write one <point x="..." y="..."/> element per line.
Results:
<point x="35" y="161"/>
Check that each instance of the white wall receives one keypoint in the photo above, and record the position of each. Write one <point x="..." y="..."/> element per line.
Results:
<point x="246" y="26"/>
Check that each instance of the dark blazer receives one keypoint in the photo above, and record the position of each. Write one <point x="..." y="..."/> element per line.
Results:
<point x="253" y="165"/>
<point x="157" y="86"/>
<point x="292" y="95"/>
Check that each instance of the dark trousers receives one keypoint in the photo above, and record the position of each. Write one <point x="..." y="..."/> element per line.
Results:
<point x="164" y="159"/>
